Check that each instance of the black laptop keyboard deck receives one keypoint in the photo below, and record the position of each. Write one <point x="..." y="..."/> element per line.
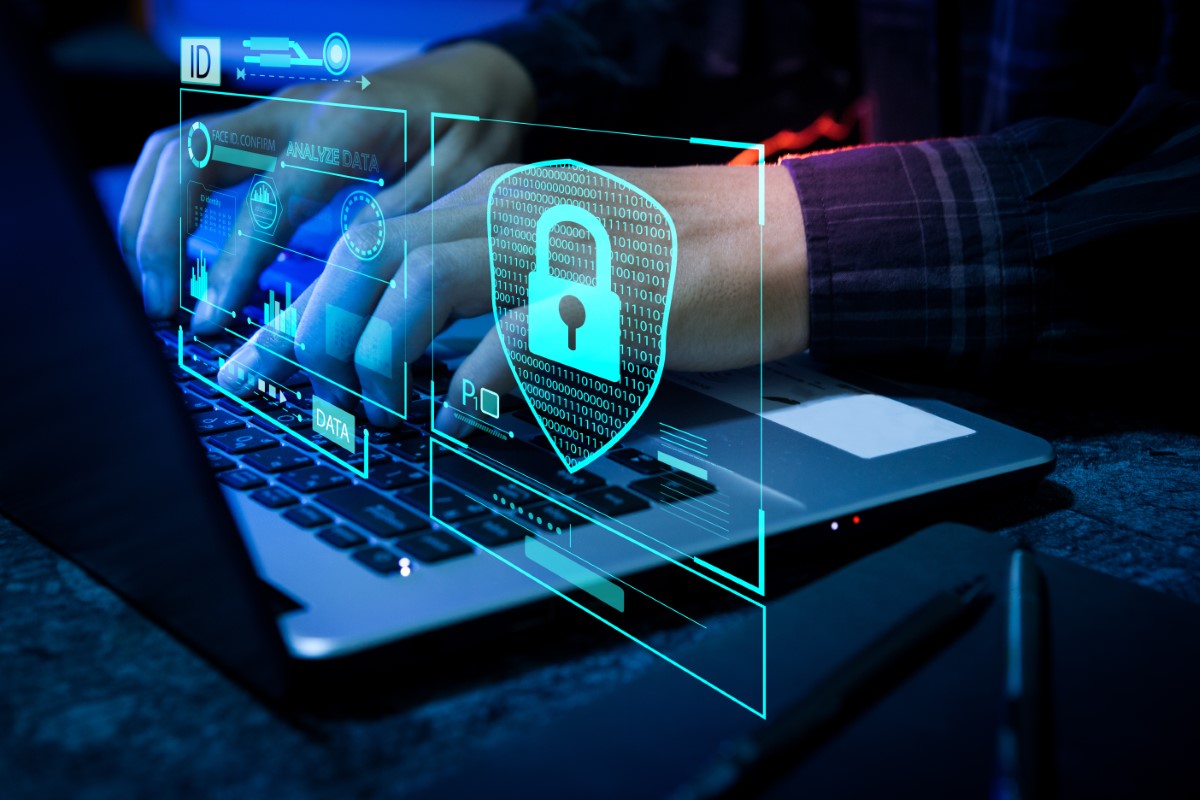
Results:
<point x="383" y="522"/>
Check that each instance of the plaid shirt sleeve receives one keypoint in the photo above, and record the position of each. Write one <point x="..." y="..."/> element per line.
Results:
<point x="968" y="251"/>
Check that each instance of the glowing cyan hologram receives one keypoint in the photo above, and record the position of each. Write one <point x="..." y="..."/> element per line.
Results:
<point x="582" y="312"/>
<point x="198" y="283"/>
<point x="696" y="495"/>
<point x="264" y="204"/>
<point x="277" y="420"/>
<point x="200" y="60"/>
<point x="278" y="52"/>
<point x="194" y="149"/>
<point x="333" y="423"/>
<point x="576" y="324"/>
<point x="363" y="226"/>
<point x="210" y="215"/>
<point x="278" y="317"/>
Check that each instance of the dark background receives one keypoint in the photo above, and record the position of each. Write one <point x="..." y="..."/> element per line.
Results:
<point x="98" y="702"/>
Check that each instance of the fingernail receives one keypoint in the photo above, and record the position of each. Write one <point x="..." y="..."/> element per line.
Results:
<point x="152" y="295"/>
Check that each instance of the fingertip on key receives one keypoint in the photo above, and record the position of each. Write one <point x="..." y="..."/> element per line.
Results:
<point x="448" y="423"/>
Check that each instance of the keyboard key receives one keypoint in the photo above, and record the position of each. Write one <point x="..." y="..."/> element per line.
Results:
<point x="194" y="403"/>
<point x="274" y="497"/>
<point x="342" y="538"/>
<point x="414" y="451"/>
<point x="314" y="479"/>
<point x="380" y="458"/>
<point x="433" y="546"/>
<point x="495" y="531"/>
<point x="554" y="518"/>
<point x="394" y="475"/>
<point x="515" y="494"/>
<point x="277" y="459"/>
<point x="233" y="407"/>
<point x="212" y="422"/>
<point x="218" y="462"/>
<point x="307" y="516"/>
<point x="378" y="559"/>
<point x="201" y="368"/>
<point x="286" y="415"/>
<point x="244" y="441"/>
<point x="449" y="504"/>
<point x="269" y="426"/>
<point x="365" y="508"/>
<point x="638" y="461"/>
<point x="672" y="487"/>
<point x="528" y="460"/>
<point x="613" y="501"/>
<point x="203" y="389"/>
<point x="242" y="479"/>
<point x="390" y="435"/>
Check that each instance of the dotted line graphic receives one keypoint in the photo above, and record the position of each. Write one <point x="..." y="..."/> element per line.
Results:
<point x="298" y="77"/>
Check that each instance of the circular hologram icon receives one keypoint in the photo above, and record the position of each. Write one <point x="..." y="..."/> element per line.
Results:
<point x="264" y="203"/>
<point x="336" y="53"/>
<point x="194" y="148"/>
<point x="362" y="225"/>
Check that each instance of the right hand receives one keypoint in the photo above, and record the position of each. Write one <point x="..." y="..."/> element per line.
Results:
<point x="468" y="77"/>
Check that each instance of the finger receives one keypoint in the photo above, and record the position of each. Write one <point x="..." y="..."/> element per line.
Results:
<point x="413" y="193"/>
<point x="152" y="221"/>
<point x="388" y="330"/>
<point x="132" y="206"/>
<point x="394" y="335"/>
<point x="401" y="327"/>
<point x="292" y="194"/>
<point x="463" y="152"/>
<point x="341" y="302"/>
<point x="269" y="354"/>
<point x="485" y="368"/>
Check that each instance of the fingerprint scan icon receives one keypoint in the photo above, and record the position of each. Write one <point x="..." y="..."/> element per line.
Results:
<point x="264" y="204"/>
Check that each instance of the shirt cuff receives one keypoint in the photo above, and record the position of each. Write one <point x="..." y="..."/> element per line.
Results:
<point x="918" y="250"/>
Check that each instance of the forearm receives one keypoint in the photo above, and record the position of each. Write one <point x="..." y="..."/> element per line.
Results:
<point x="965" y="252"/>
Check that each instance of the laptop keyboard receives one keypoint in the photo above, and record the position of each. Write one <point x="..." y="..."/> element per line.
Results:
<point x="383" y="523"/>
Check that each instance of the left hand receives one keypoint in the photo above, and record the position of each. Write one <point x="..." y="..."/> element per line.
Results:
<point x="714" y="309"/>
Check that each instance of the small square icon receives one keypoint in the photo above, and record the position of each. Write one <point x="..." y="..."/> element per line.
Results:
<point x="489" y="403"/>
<point x="200" y="61"/>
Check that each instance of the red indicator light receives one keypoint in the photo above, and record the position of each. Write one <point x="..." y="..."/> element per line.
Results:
<point x="855" y="520"/>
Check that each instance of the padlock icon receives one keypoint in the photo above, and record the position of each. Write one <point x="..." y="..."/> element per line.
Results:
<point x="570" y="322"/>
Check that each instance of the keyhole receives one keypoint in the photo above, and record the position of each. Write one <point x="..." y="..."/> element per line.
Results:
<point x="573" y="314"/>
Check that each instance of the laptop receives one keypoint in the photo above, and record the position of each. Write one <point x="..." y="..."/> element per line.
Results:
<point x="283" y="567"/>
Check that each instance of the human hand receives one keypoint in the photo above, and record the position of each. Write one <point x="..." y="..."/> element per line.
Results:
<point x="469" y="78"/>
<point x="714" y="310"/>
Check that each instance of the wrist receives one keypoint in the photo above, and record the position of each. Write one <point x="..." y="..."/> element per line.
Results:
<point x="785" y="269"/>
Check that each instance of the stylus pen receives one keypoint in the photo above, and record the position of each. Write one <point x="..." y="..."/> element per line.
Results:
<point x="751" y="764"/>
<point x="1021" y="756"/>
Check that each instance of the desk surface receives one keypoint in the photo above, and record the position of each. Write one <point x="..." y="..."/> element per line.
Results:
<point x="95" y="696"/>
